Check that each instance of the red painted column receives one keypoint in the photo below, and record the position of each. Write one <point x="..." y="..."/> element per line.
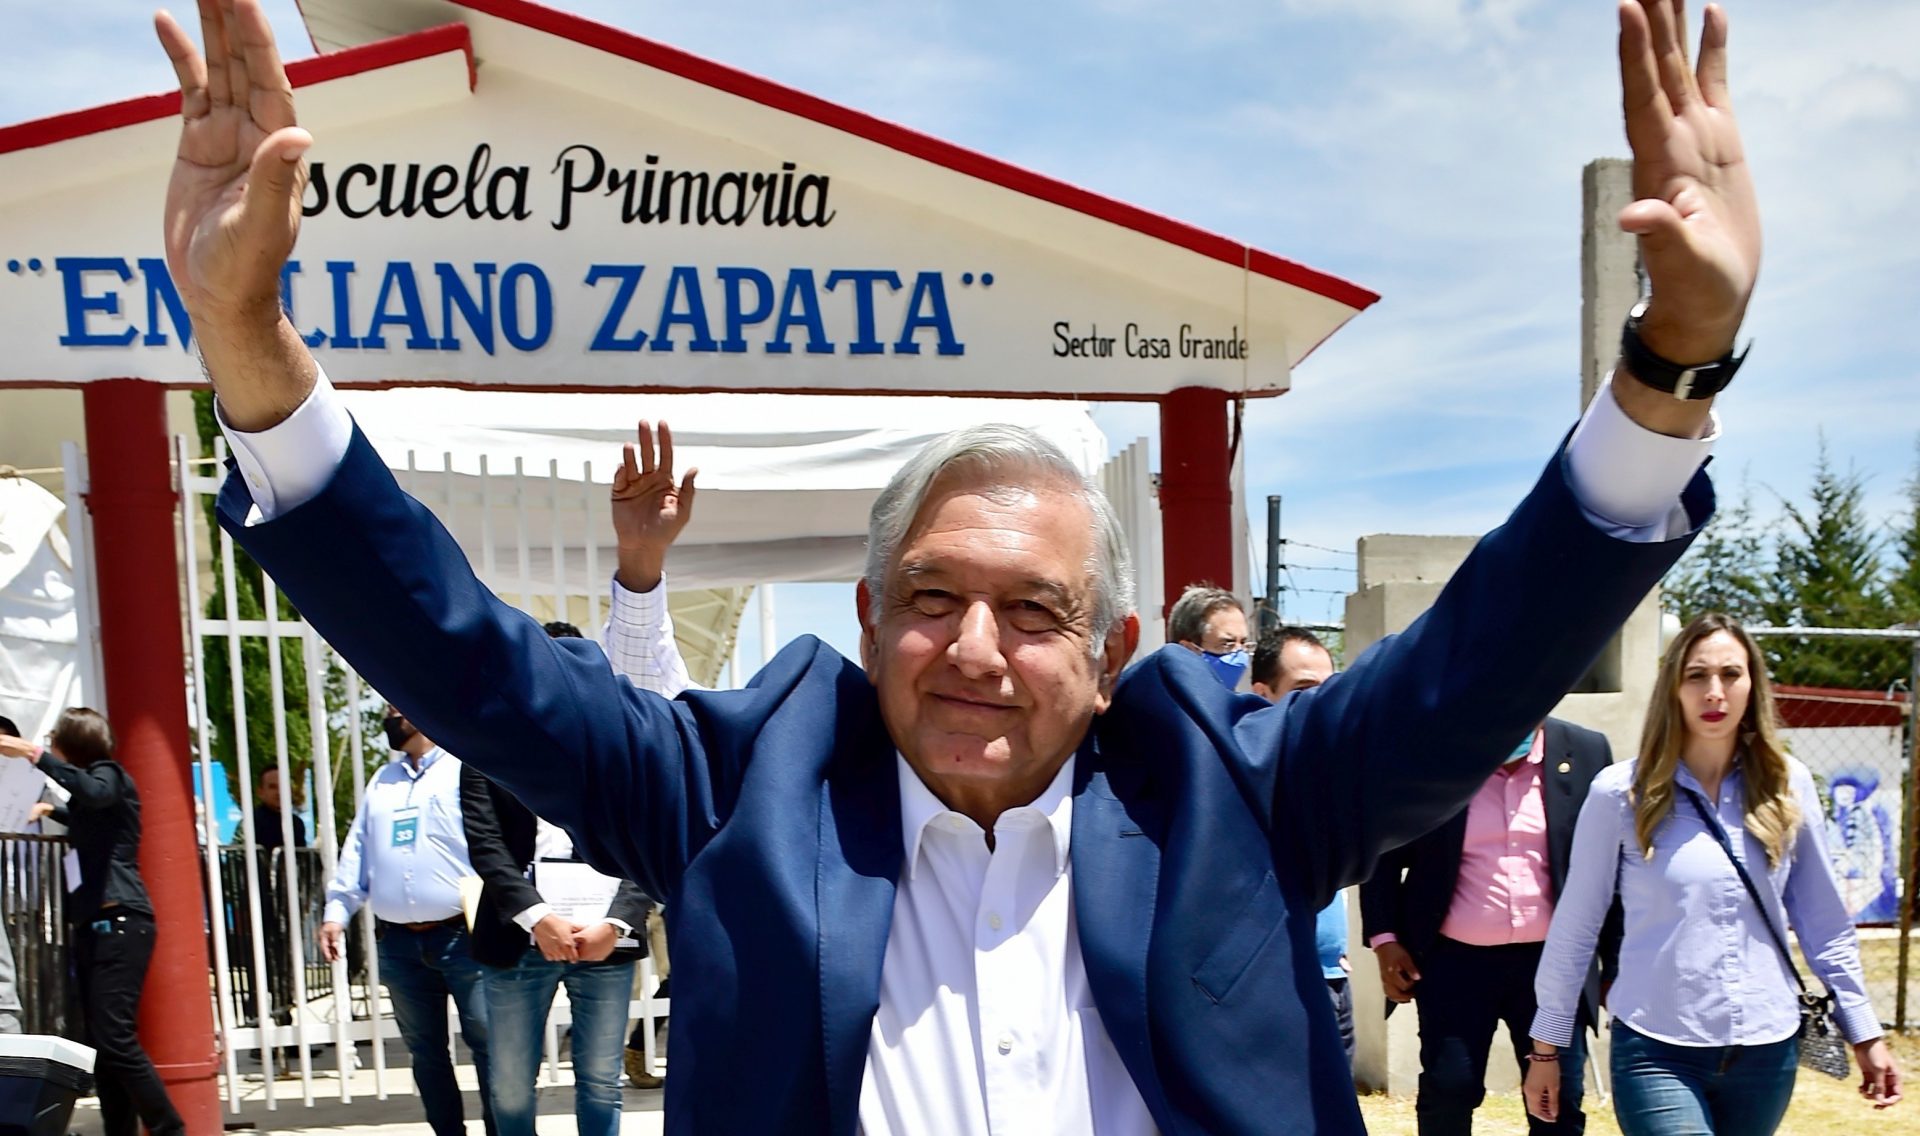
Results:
<point x="1196" y="494"/>
<point x="132" y="500"/>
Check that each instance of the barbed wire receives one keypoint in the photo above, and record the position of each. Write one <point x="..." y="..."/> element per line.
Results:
<point x="1285" y="542"/>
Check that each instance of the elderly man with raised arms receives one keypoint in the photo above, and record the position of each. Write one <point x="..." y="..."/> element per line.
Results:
<point x="986" y="884"/>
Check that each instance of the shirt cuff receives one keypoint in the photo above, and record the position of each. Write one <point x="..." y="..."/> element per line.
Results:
<point x="1381" y="940"/>
<point x="643" y="610"/>
<point x="1858" y="1022"/>
<point x="289" y="464"/>
<point x="533" y="915"/>
<point x="335" y="912"/>
<point x="1552" y="1028"/>
<point x="1627" y="478"/>
<point x="621" y="925"/>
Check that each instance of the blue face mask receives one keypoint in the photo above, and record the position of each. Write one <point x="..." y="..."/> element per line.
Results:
<point x="1520" y="751"/>
<point x="1229" y="668"/>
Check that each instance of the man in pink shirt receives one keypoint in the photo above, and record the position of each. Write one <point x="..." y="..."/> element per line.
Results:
<point x="1457" y="918"/>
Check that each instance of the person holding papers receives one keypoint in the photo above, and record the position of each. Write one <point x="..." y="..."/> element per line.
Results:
<point x="543" y="919"/>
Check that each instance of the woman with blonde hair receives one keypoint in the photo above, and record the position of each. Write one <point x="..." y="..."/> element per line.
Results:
<point x="1713" y="843"/>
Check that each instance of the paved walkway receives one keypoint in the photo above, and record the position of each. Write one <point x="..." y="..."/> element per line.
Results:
<point x="399" y="1114"/>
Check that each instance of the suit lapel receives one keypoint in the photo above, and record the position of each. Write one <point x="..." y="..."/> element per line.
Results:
<point x="860" y="854"/>
<point x="1559" y="772"/>
<point x="1116" y="874"/>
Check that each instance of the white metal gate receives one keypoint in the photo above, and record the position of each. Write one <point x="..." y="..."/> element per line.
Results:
<point x="270" y="990"/>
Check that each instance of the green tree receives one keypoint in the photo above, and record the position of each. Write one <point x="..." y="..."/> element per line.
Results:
<point x="1726" y="569"/>
<point x="1827" y="573"/>
<point x="1903" y="589"/>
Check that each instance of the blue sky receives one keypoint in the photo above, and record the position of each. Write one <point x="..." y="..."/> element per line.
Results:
<point x="1429" y="149"/>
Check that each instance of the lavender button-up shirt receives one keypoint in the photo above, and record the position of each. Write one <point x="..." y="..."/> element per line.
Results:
<point x="1697" y="966"/>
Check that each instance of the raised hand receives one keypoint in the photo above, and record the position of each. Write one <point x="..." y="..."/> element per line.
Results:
<point x="1694" y="210"/>
<point x="233" y="209"/>
<point x="649" y="508"/>
<point x="233" y="203"/>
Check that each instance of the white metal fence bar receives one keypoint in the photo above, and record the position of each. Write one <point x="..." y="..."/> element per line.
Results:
<point x="190" y="494"/>
<point x="312" y="656"/>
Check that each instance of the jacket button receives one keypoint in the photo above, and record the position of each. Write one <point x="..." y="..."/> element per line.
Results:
<point x="1566" y="767"/>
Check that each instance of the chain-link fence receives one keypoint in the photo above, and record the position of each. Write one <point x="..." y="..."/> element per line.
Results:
<point x="1846" y="699"/>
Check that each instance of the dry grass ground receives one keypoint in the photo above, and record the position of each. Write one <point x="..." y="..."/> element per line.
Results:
<point x="1821" y="1107"/>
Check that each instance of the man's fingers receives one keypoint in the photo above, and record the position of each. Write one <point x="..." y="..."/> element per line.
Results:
<point x="1670" y="52"/>
<point x="275" y="180"/>
<point x="270" y="95"/>
<point x="213" y="38"/>
<point x="629" y="470"/>
<point x="1712" y="71"/>
<point x="239" y="85"/>
<point x="188" y="67"/>
<point x="666" y="449"/>
<point x="1648" y="113"/>
<point x="686" y="494"/>
<point x="646" y="446"/>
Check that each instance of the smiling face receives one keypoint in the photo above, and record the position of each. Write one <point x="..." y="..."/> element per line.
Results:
<point x="981" y="646"/>
<point x="1715" y="687"/>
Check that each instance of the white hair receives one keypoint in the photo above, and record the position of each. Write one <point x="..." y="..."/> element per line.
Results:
<point x="1003" y="454"/>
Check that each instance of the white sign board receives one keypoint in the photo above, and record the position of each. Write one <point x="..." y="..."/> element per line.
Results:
<point x="582" y="218"/>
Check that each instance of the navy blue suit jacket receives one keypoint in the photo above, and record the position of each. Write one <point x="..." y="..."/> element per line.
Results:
<point x="1208" y="827"/>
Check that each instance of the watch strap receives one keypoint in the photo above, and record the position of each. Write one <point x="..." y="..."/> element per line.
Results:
<point x="1686" y="382"/>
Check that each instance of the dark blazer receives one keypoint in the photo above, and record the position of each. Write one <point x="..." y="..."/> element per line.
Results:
<point x="1412" y="908"/>
<point x="103" y="827"/>
<point x="266" y="827"/>
<point x="500" y="840"/>
<point x="1208" y="827"/>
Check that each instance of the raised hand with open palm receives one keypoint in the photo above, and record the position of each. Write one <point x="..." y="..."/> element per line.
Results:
<point x="233" y="207"/>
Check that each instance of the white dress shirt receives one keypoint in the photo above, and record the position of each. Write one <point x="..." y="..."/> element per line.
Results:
<point x="985" y="1022"/>
<point x="407" y="849"/>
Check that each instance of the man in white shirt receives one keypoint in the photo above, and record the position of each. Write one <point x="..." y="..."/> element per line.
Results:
<point x="405" y="856"/>
<point x="988" y="885"/>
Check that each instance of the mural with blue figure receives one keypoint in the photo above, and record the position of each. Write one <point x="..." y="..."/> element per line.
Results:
<point x="1860" y="845"/>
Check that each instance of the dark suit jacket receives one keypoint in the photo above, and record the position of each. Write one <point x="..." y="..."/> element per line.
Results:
<point x="1208" y="827"/>
<point x="266" y="827"/>
<point x="1412" y="908"/>
<point x="500" y="843"/>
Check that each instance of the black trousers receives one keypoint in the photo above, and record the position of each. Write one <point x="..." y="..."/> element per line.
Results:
<point x="1464" y="993"/>
<point x="113" y="955"/>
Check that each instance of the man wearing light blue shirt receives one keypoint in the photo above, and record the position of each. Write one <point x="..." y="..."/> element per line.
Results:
<point x="405" y="855"/>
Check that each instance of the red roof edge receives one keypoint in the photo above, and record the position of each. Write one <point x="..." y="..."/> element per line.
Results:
<point x="301" y="73"/>
<point x="672" y="60"/>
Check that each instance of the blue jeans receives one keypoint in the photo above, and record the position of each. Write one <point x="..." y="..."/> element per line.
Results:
<point x="1661" y="1089"/>
<point x="421" y="970"/>
<point x="518" y="998"/>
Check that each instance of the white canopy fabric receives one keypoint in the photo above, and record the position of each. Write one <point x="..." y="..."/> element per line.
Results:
<point x="784" y="488"/>
<point x="39" y="652"/>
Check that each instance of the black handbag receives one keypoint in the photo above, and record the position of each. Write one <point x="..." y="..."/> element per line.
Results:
<point x="1822" y="1048"/>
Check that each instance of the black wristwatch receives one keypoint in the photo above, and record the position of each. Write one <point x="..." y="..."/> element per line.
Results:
<point x="1702" y="380"/>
